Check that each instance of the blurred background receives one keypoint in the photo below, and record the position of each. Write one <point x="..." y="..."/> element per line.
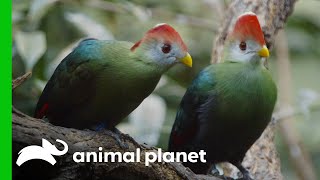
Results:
<point x="45" y="31"/>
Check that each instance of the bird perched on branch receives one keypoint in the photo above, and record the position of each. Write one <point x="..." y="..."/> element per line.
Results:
<point x="100" y="82"/>
<point x="228" y="105"/>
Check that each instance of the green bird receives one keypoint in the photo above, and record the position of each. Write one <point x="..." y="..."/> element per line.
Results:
<point x="100" y="82"/>
<point x="228" y="105"/>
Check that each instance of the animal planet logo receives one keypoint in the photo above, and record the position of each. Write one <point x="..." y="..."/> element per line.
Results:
<point x="45" y="152"/>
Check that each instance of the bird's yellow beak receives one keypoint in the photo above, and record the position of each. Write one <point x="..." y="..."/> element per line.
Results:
<point x="264" y="52"/>
<point x="187" y="60"/>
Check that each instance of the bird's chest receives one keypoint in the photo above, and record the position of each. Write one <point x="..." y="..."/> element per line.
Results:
<point x="246" y="98"/>
<point x="122" y="92"/>
<point x="134" y="85"/>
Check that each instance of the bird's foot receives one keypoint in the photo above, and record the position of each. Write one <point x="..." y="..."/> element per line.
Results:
<point x="213" y="170"/>
<point x="246" y="176"/>
<point x="115" y="134"/>
<point x="216" y="173"/>
<point x="99" y="127"/>
<point x="245" y="173"/>
<point x="126" y="136"/>
<point x="118" y="137"/>
<point x="223" y="177"/>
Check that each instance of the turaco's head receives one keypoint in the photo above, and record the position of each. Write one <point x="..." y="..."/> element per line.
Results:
<point x="246" y="42"/>
<point x="163" y="45"/>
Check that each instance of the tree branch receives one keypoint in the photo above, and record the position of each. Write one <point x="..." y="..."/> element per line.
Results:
<point x="29" y="131"/>
<point x="17" y="82"/>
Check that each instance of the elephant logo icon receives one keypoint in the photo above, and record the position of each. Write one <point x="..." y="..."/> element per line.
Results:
<point x="45" y="152"/>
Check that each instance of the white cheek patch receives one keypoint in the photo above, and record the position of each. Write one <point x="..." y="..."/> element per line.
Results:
<point x="172" y="59"/>
<point x="237" y="55"/>
<point x="158" y="57"/>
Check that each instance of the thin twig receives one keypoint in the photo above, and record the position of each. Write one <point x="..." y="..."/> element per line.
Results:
<point x="18" y="81"/>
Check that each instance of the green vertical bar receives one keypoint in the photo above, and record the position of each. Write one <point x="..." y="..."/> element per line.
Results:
<point x="5" y="91"/>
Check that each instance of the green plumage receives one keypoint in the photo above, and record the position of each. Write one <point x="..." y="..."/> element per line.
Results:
<point x="224" y="111"/>
<point x="100" y="81"/>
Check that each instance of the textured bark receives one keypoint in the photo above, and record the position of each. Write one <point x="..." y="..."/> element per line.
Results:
<point x="261" y="159"/>
<point x="29" y="131"/>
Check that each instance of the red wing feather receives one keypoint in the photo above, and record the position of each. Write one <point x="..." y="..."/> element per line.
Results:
<point x="43" y="111"/>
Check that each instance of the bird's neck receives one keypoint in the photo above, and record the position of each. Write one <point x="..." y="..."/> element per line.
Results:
<point x="145" y="60"/>
<point x="255" y="62"/>
<point x="251" y="59"/>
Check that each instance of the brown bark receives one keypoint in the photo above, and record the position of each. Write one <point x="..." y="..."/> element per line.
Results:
<point x="30" y="131"/>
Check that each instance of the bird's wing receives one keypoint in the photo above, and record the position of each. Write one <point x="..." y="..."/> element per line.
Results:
<point x="72" y="83"/>
<point x="191" y="113"/>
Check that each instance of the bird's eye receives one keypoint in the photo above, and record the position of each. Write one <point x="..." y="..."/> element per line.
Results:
<point x="243" y="46"/>
<point x="166" y="48"/>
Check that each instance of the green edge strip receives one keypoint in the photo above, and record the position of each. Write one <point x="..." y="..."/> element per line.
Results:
<point x="6" y="93"/>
